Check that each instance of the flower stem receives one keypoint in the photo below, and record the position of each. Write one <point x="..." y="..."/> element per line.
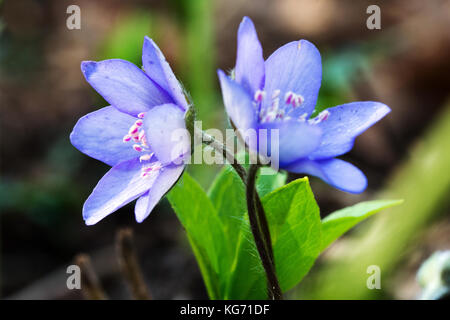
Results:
<point x="220" y="147"/>
<point x="261" y="234"/>
<point x="90" y="284"/>
<point x="264" y="225"/>
<point x="257" y="216"/>
<point x="129" y="265"/>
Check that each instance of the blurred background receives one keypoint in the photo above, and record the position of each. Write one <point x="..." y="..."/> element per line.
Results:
<point x="44" y="180"/>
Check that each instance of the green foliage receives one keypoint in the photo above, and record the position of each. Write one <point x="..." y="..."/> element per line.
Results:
<point x="422" y="181"/>
<point x="295" y="227"/>
<point x="339" y="222"/>
<point x="204" y="229"/>
<point x="227" y="193"/>
<point x="228" y="196"/>
<point x="195" y="19"/>
<point x="218" y="230"/>
<point x="294" y="221"/>
<point x="268" y="182"/>
<point x="199" y="68"/>
<point x="126" y="39"/>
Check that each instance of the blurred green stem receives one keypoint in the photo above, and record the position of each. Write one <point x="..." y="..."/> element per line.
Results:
<point x="198" y="67"/>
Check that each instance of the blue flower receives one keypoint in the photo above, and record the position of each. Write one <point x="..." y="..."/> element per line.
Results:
<point x="281" y="93"/>
<point x="133" y="135"/>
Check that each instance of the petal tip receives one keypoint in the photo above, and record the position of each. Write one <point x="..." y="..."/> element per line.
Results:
<point x="87" y="67"/>
<point x="90" y="216"/>
<point x="359" y="190"/>
<point x="90" y="221"/>
<point x="220" y="72"/>
<point x="385" y="108"/>
<point x="72" y="138"/>
<point x="359" y="187"/>
<point x="380" y="110"/>
<point x="139" y="219"/>
<point x="222" y="76"/>
<point x="149" y="42"/>
<point x="246" y="19"/>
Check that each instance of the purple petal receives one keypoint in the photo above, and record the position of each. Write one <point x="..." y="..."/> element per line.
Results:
<point x="168" y="176"/>
<point x="166" y="133"/>
<point x="124" y="85"/>
<point x="99" y="134"/>
<point x="335" y="172"/>
<point x="121" y="185"/>
<point x="249" y="62"/>
<point x="295" y="67"/>
<point x="296" y="140"/>
<point x="157" y="68"/>
<point x="238" y="103"/>
<point x="344" y="123"/>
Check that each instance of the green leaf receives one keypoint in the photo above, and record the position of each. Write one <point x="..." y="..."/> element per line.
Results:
<point x="339" y="222"/>
<point x="269" y="181"/>
<point x="295" y="226"/>
<point x="247" y="278"/>
<point x="227" y="193"/>
<point x="205" y="232"/>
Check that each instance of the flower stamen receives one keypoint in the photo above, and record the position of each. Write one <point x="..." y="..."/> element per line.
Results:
<point x="323" y="116"/>
<point x="146" y="157"/>
<point x="155" y="166"/>
<point x="133" y="130"/>
<point x="296" y="100"/>
<point x="138" y="147"/>
<point x="137" y="134"/>
<point x="288" y="97"/>
<point x="274" y="111"/>
<point x="259" y="96"/>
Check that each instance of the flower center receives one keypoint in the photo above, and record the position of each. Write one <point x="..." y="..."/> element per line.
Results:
<point x="136" y="134"/>
<point x="274" y="111"/>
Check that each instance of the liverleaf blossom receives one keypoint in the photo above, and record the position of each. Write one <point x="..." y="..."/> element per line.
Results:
<point x="281" y="93"/>
<point x="133" y="134"/>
